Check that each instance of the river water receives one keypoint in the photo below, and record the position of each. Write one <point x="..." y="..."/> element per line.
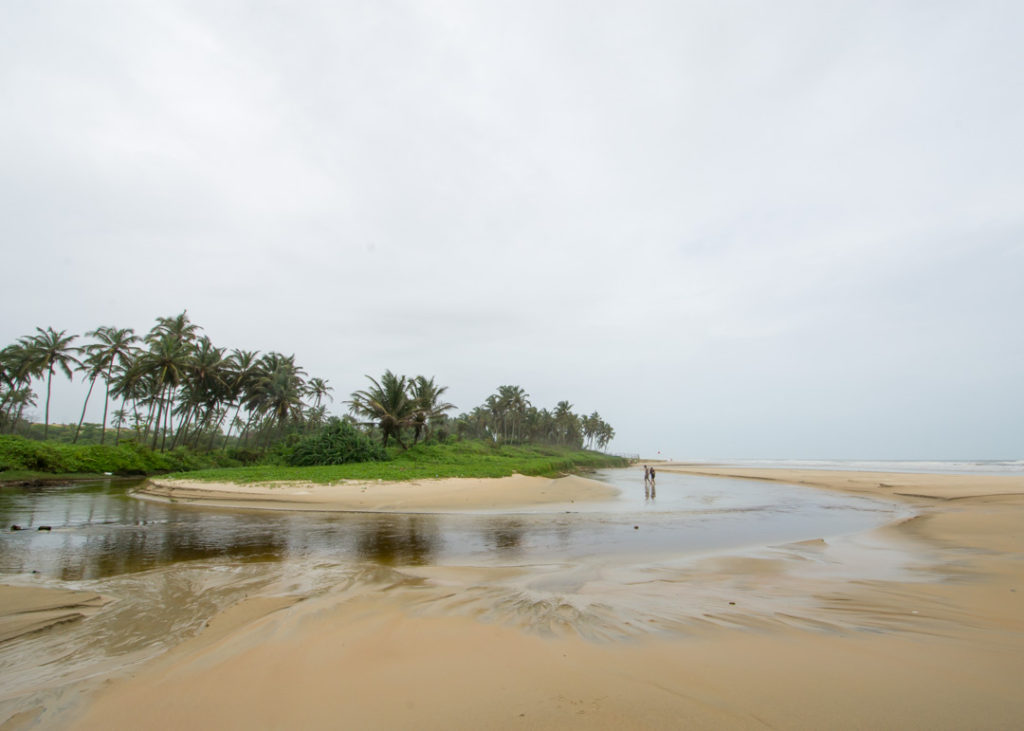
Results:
<point x="98" y="529"/>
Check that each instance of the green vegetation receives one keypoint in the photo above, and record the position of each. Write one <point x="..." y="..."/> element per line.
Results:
<point x="177" y="402"/>
<point x="337" y="443"/>
<point x="425" y="461"/>
<point x="19" y="456"/>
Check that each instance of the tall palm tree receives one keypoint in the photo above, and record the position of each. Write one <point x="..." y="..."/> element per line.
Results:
<point x="50" y="350"/>
<point x="93" y="368"/>
<point x="114" y="346"/>
<point x="178" y="327"/>
<point x="277" y="389"/>
<point x="386" y="404"/>
<point x="242" y="368"/>
<point x="319" y="389"/>
<point x="427" y="404"/>
<point x="166" y="362"/>
<point x="16" y="370"/>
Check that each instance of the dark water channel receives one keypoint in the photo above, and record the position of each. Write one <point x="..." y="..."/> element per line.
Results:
<point x="98" y="529"/>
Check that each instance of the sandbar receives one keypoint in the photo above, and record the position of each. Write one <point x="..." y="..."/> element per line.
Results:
<point x="414" y="496"/>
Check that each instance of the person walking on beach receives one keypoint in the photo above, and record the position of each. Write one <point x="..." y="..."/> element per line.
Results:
<point x="647" y="475"/>
<point x="650" y="474"/>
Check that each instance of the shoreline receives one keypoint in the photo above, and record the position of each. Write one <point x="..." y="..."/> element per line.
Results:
<point x="774" y="638"/>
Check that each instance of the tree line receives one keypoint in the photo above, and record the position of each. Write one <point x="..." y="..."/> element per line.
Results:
<point x="173" y="387"/>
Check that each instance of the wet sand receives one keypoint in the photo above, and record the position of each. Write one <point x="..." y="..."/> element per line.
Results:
<point x="755" y="640"/>
<point x="28" y="609"/>
<point x="415" y="496"/>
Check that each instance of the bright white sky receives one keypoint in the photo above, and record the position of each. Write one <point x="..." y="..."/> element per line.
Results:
<point x="736" y="229"/>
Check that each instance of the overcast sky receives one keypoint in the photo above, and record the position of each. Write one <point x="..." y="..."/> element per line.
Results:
<point x="735" y="229"/>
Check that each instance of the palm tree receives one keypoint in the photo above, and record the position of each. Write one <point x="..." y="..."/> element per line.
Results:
<point x="178" y="327"/>
<point x="319" y="389"/>
<point x="242" y="367"/>
<point x="277" y="389"/>
<point x="16" y="371"/>
<point x="165" y="362"/>
<point x="387" y="404"/>
<point x="119" y="420"/>
<point x="92" y="366"/>
<point x="427" y="404"/>
<point x="115" y="347"/>
<point x="566" y="424"/>
<point x="48" y="351"/>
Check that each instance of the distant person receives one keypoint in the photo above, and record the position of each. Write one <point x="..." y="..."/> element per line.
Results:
<point x="647" y="475"/>
<point x="651" y="475"/>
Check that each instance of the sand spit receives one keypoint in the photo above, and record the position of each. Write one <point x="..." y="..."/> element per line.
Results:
<point x="417" y="496"/>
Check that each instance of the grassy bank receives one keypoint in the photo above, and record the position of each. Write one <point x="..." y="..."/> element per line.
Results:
<point x="458" y="459"/>
<point x="26" y="459"/>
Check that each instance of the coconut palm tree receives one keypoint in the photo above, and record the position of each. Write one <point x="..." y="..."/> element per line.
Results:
<point x="242" y="367"/>
<point x="49" y="351"/>
<point x="114" y="347"/>
<point x="318" y="389"/>
<point x="178" y="327"/>
<point x="386" y="404"/>
<point x="277" y="390"/>
<point x="427" y="404"/>
<point x="16" y="370"/>
<point x="165" y="362"/>
<point x="93" y="367"/>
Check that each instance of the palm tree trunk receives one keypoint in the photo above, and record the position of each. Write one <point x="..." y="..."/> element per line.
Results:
<point x="84" y="407"/>
<point x="46" y="424"/>
<point x="106" y="402"/>
<point x="231" y="425"/>
<point x="159" y="417"/>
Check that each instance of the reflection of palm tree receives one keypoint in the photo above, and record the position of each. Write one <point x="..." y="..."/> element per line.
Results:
<point x="409" y="539"/>
<point x="48" y="351"/>
<point x="387" y="404"/>
<point x="507" y="536"/>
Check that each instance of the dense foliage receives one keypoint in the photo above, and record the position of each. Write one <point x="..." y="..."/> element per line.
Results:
<point x="336" y="443"/>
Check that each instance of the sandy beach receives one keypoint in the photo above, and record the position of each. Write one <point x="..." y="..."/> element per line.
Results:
<point x="779" y="640"/>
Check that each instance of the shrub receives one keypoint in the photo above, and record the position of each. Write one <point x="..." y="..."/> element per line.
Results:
<point x="337" y="442"/>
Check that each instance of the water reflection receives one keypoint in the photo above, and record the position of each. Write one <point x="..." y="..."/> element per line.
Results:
<point x="99" y="530"/>
<point x="506" y="535"/>
<point x="398" y="539"/>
